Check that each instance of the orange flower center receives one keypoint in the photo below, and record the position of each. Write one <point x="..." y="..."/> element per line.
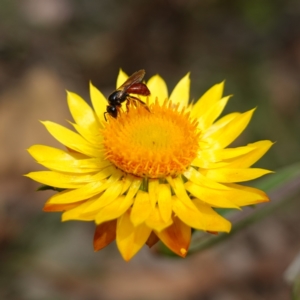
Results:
<point x="153" y="144"/>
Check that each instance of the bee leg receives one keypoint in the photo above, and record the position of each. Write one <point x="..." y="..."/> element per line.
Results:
<point x="141" y="102"/>
<point x="119" y="109"/>
<point x="105" y="116"/>
<point x="127" y="105"/>
<point x="146" y="107"/>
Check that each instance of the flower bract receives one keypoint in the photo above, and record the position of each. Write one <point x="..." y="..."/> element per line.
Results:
<point x="151" y="175"/>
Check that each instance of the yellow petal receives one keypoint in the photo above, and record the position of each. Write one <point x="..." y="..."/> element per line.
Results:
<point x="239" y="157"/>
<point x="226" y="135"/>
<point x="135" y="186"/>
<point x="60" y="180"/>
<point x="233" y="153"/>
<point x="117" y="207"/>
<point x="82" y="113"/>
<point x="213" y="95"/>
<point x="212" y="113"/>
<point x="130" y="239"/>
<point x="158" y="89"/>
<point x="77" y="166"/>
<point x="205" y="158"/>
<point x="239" y="195"/>
<point x="112" y="192"/>
<point x="248" y="159"/>
<point x="156" y="222"/>
<point x="122" y="77"/>
<point x="141" y="208"/>
<point x="180" y="190"/>
<point x="216" y="128"/>
<point x="176" y="237"/>
<point x="104" y="234"/>
<point x="214" y="222"/>
<point x="235" y="175"/>
<point x="61" y="207"/>
<point x="181" y="92"/>
<point x="164" y="201"/>
<point x="104" y="173"/>
<point x="201" y="163"/>
<point x="71" y="139"/>
<point x="216" y="198"/>
<point x="113" y="210"/>
<point x="93" y="138"/>
<point x="200" y="217"/>
<point x="188" y="214"/>
<point x="152" y="186"/>
<point x="99" y="102"/>
<point x="245" y="195"/>
<point x="76" y="213"/>
<point x="71" y="196"/>
<point x="127" y="181"/>
<point x="197" y="177"/>
<point x="59" y="160"/>
<point x="41" y="153"/>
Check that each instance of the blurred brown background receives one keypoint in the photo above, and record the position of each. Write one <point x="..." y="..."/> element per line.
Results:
<point x="48" y="46"/>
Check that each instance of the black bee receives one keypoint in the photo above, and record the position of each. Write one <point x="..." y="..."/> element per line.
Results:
<point x="132" y="85"/>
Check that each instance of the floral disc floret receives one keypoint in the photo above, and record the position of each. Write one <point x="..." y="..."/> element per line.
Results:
<point x="153" y="144"/>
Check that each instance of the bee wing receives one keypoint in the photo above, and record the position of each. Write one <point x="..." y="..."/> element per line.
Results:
<point x="134" y="78"/>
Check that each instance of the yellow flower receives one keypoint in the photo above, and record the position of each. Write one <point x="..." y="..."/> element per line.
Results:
<point x="149" y="176"/>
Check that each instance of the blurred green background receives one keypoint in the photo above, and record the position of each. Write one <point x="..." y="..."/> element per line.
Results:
<point x="48" y="46"/>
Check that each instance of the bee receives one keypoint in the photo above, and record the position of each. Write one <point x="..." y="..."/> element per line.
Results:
<point x="132" y="85"/>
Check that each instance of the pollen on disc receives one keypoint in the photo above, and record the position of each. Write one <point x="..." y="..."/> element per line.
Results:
<point x="153" y="144"/>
